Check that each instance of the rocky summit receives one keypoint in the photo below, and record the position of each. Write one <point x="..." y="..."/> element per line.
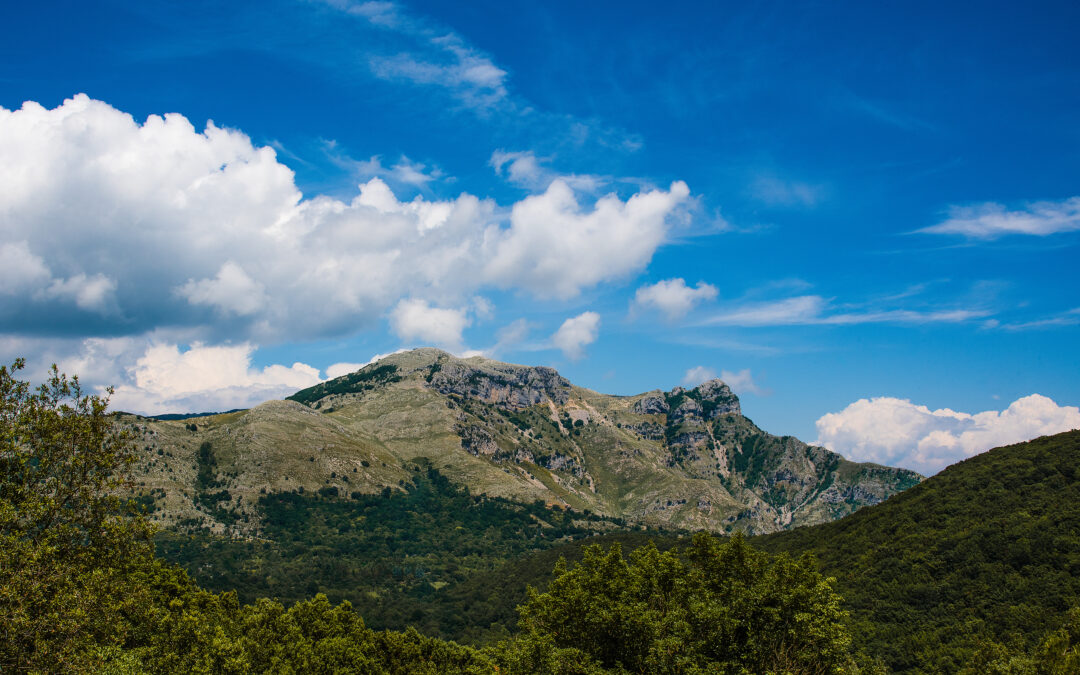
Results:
<point x="686" y="458"/>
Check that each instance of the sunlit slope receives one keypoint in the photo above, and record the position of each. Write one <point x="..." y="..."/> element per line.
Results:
<point x="685" y="458"/>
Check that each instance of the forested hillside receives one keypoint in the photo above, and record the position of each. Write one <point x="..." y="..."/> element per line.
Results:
<point x="987" y="550"/>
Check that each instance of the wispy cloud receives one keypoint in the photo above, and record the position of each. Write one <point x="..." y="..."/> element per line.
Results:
<point x="1069" y="318"/>
<point x="437" y="57"/>
<point x="741" y="382"/>
<point x="815" y="310"/>
<point x="526" y="170"/>
<point x="774" y="191"/>
<point x="992" y="220"/>
<point x="403" y="172"/>
<point x="882" y="112"/>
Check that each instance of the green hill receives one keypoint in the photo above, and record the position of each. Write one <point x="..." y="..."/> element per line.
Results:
<point x="989" y="549"/>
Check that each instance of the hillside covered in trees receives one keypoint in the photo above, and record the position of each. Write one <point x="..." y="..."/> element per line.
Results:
<point x="987" y="551"/>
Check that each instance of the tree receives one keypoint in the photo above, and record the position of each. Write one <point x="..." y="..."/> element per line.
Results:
<point x="715" y="607"/>
<point x="68" y="541"/>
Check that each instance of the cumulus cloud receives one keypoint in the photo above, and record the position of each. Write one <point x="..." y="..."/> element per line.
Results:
<point x="159" y="224"/>
<point x="992" y="220"/>
<point x="900" y="433"/>
<point x="88" y="293"/>
<point x="575" y="333"/>
<point x="415" y="319"/>
<point x="741" y="382"/>
<point x="673" y="297"/>
<point x="696" y="375"/>
<point x="551" y="247"/>
<point x="21" y="270"/>
<point x="206" y="378"/>
<point x="231" y="291"/>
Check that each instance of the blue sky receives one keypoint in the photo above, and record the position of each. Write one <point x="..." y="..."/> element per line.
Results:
<point x="865" y="216"/>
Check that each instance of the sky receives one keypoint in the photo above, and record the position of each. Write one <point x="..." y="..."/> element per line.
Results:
<point x="864" y="217"/>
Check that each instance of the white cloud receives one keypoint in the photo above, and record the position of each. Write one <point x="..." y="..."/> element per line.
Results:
<point x="404" y="172"/>
<point x="521" y="168"/>
<point x="575" y="333"/>
<point x="22" y="272"/>
<point x="991" y="220"/>
<point x="417" y="320"/>
<point x="742" y="382"/>
<point x="448" y="62"/>
<point x="379" y="13"/>
<point x="525" y="170"/>
<point x="897" y="432"/>
<point x="696" y="375"/>
<point x="231" y="291"/>
<point x="206" y="378"/>
<point x="813" y="310"/>
<point x="802" y="309"/>
<point x="776" y="192"/>
<point x="165" y="225"/>
<point x="89" y="293"/>
<point x="435" y="57"/>
<point x="20" y="269"/>
<point x="673" y="297"/>
<point x="511" y="334"/>
<point x="554" y="248"/>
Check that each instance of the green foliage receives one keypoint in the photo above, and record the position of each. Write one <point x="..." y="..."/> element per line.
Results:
<point x="365" y="379"/>
<point x="399" y="557"/>
<point x="1057" y="654"/>
<point x="714" y="607"/>
<point x="185" y="629"/>
<point x="67" y="543"/>
<point x="987" y="551"/>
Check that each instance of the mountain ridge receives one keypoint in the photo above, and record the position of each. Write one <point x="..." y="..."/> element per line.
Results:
<point x="686" y="458"/>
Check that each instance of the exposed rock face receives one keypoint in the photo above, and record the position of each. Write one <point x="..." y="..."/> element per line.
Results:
<point x="647" y="430"/>
<point x="688" y="408"/>
<point x="651" y="405"/>
<point x="723" y="400"/>
<point x="510" y="387"/>
<point x="477" y="441"/>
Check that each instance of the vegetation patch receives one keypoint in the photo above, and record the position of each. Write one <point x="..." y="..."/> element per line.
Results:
<point x="362" y="380"/>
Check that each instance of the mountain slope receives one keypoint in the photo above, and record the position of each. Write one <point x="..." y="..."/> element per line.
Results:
<point x="987" y="549"/>
<point x="684" y="458"/>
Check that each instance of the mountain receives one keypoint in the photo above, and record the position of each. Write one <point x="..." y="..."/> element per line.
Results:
<point x="986" y="550"/>
<point x="683" y="458"/>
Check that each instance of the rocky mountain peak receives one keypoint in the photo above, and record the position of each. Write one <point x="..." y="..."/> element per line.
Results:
<point x="720" y="395"/>
<point x="505" y="385"/>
